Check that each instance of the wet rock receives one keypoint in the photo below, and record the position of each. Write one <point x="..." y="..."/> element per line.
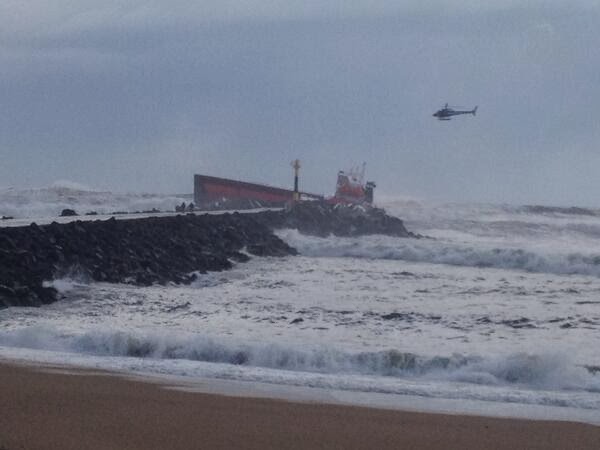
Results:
<point x="593" y="369"/>
<point x="68" y="212"/>
<point x="397" y="316"/>
<point x="163" y="249"/>
<point x="323" y="219"/>
<point x="7" y="291"/>
<point x="7" y="243"/>
<point x="523" y="322"/>
<point x="484" y="320"/>
<point x="141" y="251"/>
<point x="240" y="257"/>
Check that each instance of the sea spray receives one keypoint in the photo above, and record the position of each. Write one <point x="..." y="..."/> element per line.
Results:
<point x="543" y="371"/>
<point x="435" y="251"/>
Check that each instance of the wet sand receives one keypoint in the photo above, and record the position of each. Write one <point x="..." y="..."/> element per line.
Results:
<point x="45" y="409"/>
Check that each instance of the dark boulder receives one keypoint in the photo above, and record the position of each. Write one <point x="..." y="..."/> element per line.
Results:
<point x="139" y="251"/>
<point x="163" y="250"/>
<point x="323" y="219"/>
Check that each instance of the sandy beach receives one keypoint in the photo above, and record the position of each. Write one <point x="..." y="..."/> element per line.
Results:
<point x="47" y="409"/>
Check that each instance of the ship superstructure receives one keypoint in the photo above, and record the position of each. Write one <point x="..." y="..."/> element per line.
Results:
<point x="351" y="187"/>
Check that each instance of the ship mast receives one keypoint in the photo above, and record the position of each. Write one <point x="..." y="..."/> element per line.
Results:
<point x="296" y="166"/>
<point x="362" y="173"/>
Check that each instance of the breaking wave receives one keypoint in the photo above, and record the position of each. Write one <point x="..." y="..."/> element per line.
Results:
<point x="445" y="252"/>
<point x="50" y="201"/>
<point x="525" y="370"/>
<point x="554" y="210"/>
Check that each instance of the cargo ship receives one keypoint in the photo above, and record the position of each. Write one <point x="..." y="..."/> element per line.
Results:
<point x="224" y="193"/>
<point x="351" y="188"/>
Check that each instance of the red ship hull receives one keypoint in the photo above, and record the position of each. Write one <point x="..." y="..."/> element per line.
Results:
<point x="214" y="190"/>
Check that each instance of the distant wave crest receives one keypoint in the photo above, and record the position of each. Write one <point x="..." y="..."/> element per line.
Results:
<point x="50" y="201"/>
<point x="570" y="210"/>
<point x="444" y="252"/>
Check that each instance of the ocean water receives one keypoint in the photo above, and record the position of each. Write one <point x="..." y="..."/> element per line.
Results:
<point x="496" y="309"/>
<point x="41" y="203"/>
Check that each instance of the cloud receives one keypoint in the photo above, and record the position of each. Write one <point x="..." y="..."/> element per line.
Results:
<point x="134" y="95"/>
<point x="42" y="18"/>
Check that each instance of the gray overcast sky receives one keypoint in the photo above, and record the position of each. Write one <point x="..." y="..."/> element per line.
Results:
<point x="139" y="95"/>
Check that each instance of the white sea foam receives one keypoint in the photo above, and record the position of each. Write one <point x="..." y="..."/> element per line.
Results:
<point x="66" y="284"/>
<point x="538" y="372"/>
<point x="502" y="305"/>
<point x="50" y="201"/>
<point x="71" y="186"/>
<point x="437" y="251"/>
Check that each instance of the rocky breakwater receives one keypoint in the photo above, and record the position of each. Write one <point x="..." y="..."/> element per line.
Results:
<point x="136" y="251"/>
<point x="164" y="249"/>
<point x="323" y="219"/>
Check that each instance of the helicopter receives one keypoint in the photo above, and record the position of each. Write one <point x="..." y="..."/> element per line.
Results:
<point x="446" y="112"/>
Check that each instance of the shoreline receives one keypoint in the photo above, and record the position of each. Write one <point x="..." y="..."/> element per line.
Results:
<point x="206" y="383"/>
<point x="51" y="406"/>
